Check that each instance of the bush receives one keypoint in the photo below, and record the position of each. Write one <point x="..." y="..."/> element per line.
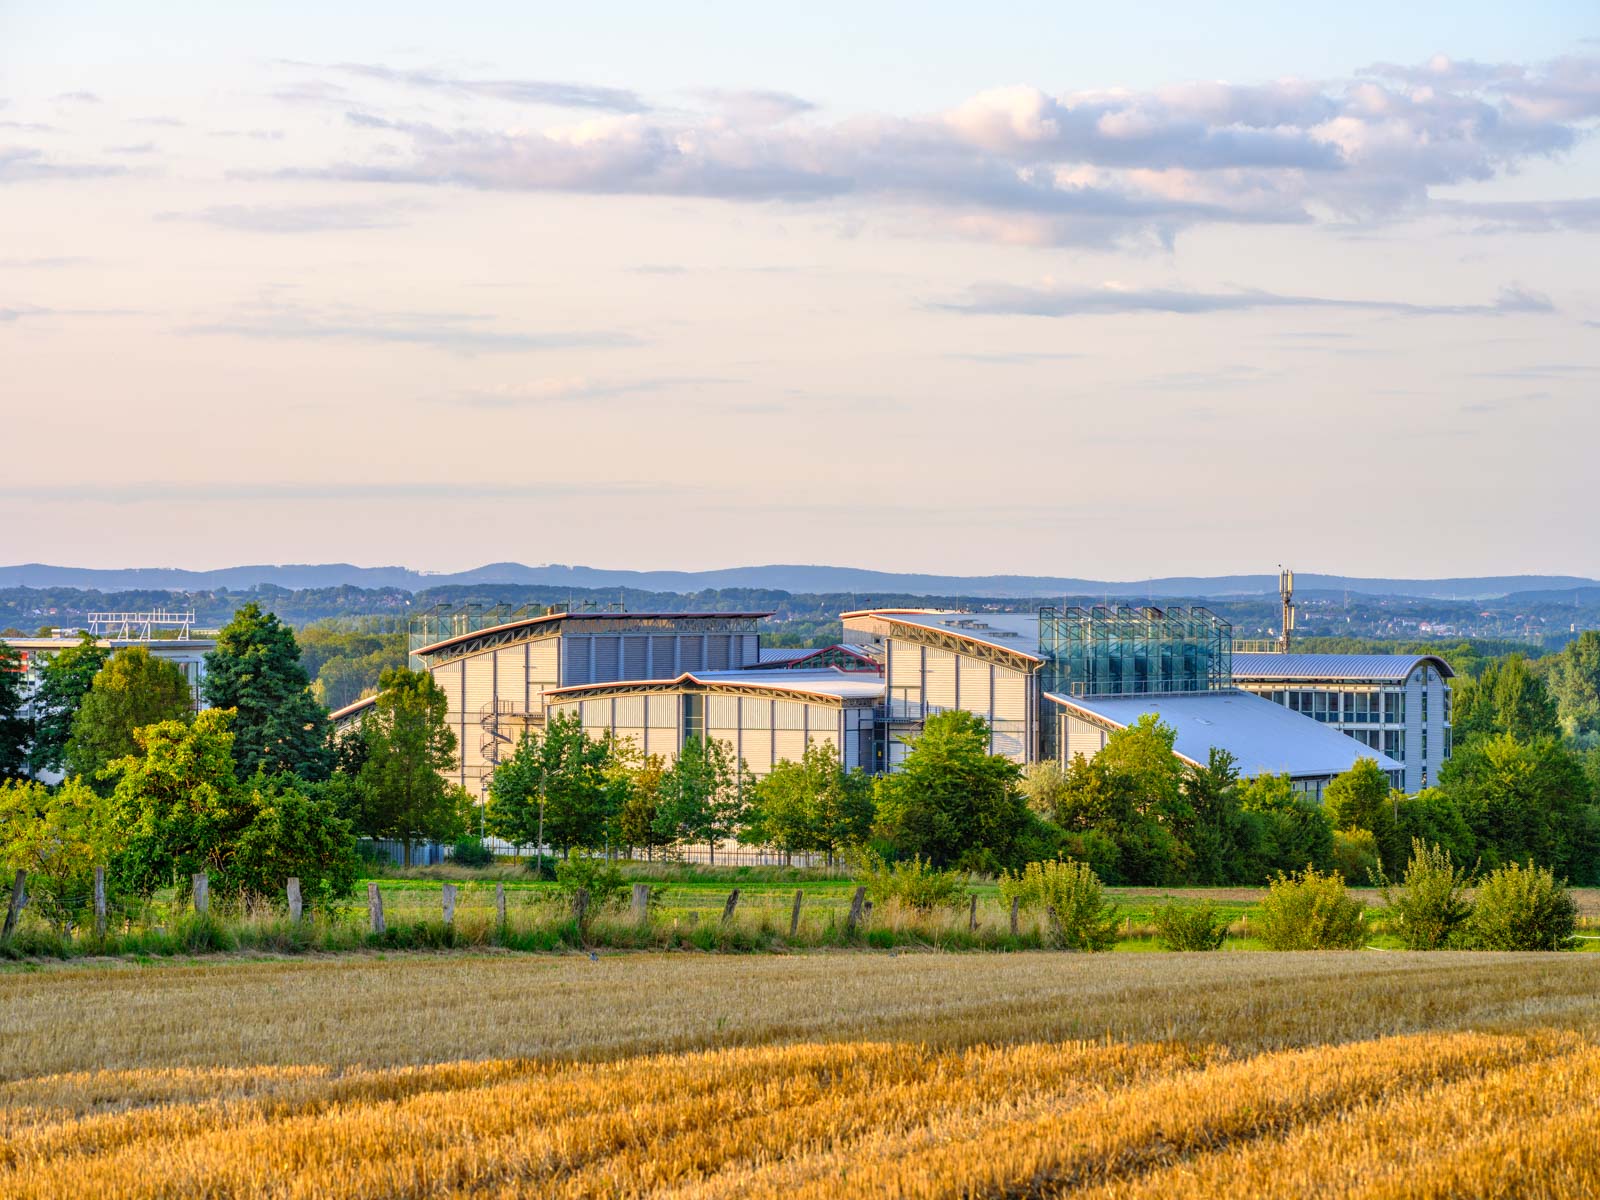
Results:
<point x="471" y="852"/>
<point x="1431" y="908"/>
<point x="1190" y="926"/>
<point x="1522" y="908"/>
<point x="1311" y="911"/>
<point x="1072" y="893"/>
<point x="601" y="879"/>
<point x="1355" y="855"/>
<point x="916" y="883"/>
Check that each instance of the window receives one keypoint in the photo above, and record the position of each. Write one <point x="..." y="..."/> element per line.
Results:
<point x="694" y="717"/>
<point x="1394" y="744"/>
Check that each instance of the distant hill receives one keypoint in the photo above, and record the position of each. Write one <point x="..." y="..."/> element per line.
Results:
<point x="788" y="578"/>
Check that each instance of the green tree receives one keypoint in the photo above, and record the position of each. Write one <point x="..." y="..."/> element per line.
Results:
<point x="641" y="802"/>
<point x="811" y="805"/>
<point x="1507" y="698"/>
<point x="558" y="781"/>
<point x="1361" y="798"/>
<point x="132" y="690"/>
<point x="1526" y="800"/>
<point x="952" y="802"/>
<point x="64" y="681"/>
<point x="181" y="808"/>
<point x="409" y="746"/>
<point x="58" y="836"/>
<point x="1575" y="684"/>
<point x="1292" y="831"/>
<point x="255" y="670"/>
<point x="1128" y="810"/>
<point x="701" y="798"/>
<point x="1221" y="839"/>
<point x="14" y="726"/>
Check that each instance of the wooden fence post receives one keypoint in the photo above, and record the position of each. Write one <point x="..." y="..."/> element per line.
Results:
<point x="641" y="903"/>
<point x="856" y="902"/>
<point x="972" y="914"/>
<point x="580" y="906"/>
<point x="19" y="897"/>
<point x="1015" y="903"/>
<point x="794" y="916"/>
<point x="733" y="903"/>
<point x="292" y="888"/>
<point x="375" y="907"/>
<point x="448" y="895"/>
<point x="200" y="890"/>
<point x="500" y="906"/>
<point x="99" y="902"/>
<point x="1056" y="934"/>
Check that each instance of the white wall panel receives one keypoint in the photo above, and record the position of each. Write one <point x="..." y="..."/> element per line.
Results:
<point x="939" y="674"/>
<point x="976" y="689"/>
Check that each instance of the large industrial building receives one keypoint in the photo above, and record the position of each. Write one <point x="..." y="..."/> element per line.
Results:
<point x="1049" y="685"/>
<point x="167" y="635"/>
<point x="1396" y="703"/>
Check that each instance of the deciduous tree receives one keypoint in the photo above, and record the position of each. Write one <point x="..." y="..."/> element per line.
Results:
<point x="63" y="683"/>
<point x="132" y="690"/>
<point x="409" y="745"/>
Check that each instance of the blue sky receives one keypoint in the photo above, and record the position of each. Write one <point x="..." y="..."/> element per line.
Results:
<point x="1034" y="288"/>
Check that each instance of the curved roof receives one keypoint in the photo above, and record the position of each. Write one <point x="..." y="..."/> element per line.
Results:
<point x="1264" y="738"/>
<point x="827" y="683"/>
<point x="350" y="710"/>
<point x="548" y="618"/>
<point x="1017" y="633"/>
<point x="1385" y="668"/>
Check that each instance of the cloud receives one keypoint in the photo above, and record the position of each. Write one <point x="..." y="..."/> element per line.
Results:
<point x="78" y="98"/>
<point x="1019" y="164"/>
<point x="1014" y="300"/>
<point x="164" y="122"/>
<point x="464" y="333"/>
<point x="260" y="135"/>
<point x="29" y="127"/>
<point x="304" y="218"/>
<point x="514" y="91"/>
<point x="141" y="492"/>
<point x="748" y="107"/>
<point x="1015" y="357"/>
<point x="42" y="262"/>
<point x="543" y="393"/>
<point x="136" y="148"/>
<point x="19" y="164"/>
<point x="1528" y="216"/>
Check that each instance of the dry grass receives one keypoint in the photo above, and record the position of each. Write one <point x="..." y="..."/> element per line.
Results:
<point x="823" y="1075"/>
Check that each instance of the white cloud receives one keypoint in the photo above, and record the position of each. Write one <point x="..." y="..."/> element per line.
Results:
<point x="1020" y="164"/>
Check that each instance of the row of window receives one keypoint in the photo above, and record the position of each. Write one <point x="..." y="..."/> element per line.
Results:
<point x="1358" y="708"/>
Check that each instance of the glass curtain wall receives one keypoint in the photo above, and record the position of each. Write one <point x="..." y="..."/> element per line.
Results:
<point x="1115" y="651"/>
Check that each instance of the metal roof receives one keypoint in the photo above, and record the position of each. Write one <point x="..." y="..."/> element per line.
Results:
<point x="350" y="710"/>
<point x="1017" y="632"/>
<point x="825" y="681"/>
<point x="1342" y="668"/>
<point x="785" y="654"/>
<point x="585" y="616"/>
<point x="1265" y="738"/>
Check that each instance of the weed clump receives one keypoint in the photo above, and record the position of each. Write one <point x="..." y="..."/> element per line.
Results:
<point x="1081" y="918"/>
<point x="1190" y="926"/>
<point x="1430" y="908"/>
<point x="1522" y="908"/>
<point x="1312" y="911"/>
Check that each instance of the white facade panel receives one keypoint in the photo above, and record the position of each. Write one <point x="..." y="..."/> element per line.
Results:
<point x="939" y="679"/>
<point x="976" y="686"/>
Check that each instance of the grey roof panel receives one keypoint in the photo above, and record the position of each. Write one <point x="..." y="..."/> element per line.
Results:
<point x="1265" y="738"/>
<point x="1388" y="668"/>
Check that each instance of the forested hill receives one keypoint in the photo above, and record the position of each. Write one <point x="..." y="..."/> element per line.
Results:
<point x="782" y="578"/>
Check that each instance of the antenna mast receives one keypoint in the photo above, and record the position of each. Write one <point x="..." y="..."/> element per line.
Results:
<point x="1286" y="590"/>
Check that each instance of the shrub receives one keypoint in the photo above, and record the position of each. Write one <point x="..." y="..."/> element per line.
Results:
<point x="1522" y="908"/>
<point x="601" y="879"/>
<point x="471" y="852"/>
<point x="1432" y="906"/>
<point x="1311" y="911"/>
<point x="1355" y="855"/>
<point x="1072" y="893"/>
<point x="915" y="882"/>
<point x="1190" y="926"/>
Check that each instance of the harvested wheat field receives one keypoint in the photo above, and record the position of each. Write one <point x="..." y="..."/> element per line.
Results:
<point x="823" y="1075"/>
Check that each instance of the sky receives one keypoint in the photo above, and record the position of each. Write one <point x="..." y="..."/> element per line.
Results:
<point x="1095" y="291"/>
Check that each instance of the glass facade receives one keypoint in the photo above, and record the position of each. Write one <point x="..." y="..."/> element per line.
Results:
<point x="1115" y="651"/>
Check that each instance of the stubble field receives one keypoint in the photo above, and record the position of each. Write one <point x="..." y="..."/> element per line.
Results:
<point x="1371" y="1074"/>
